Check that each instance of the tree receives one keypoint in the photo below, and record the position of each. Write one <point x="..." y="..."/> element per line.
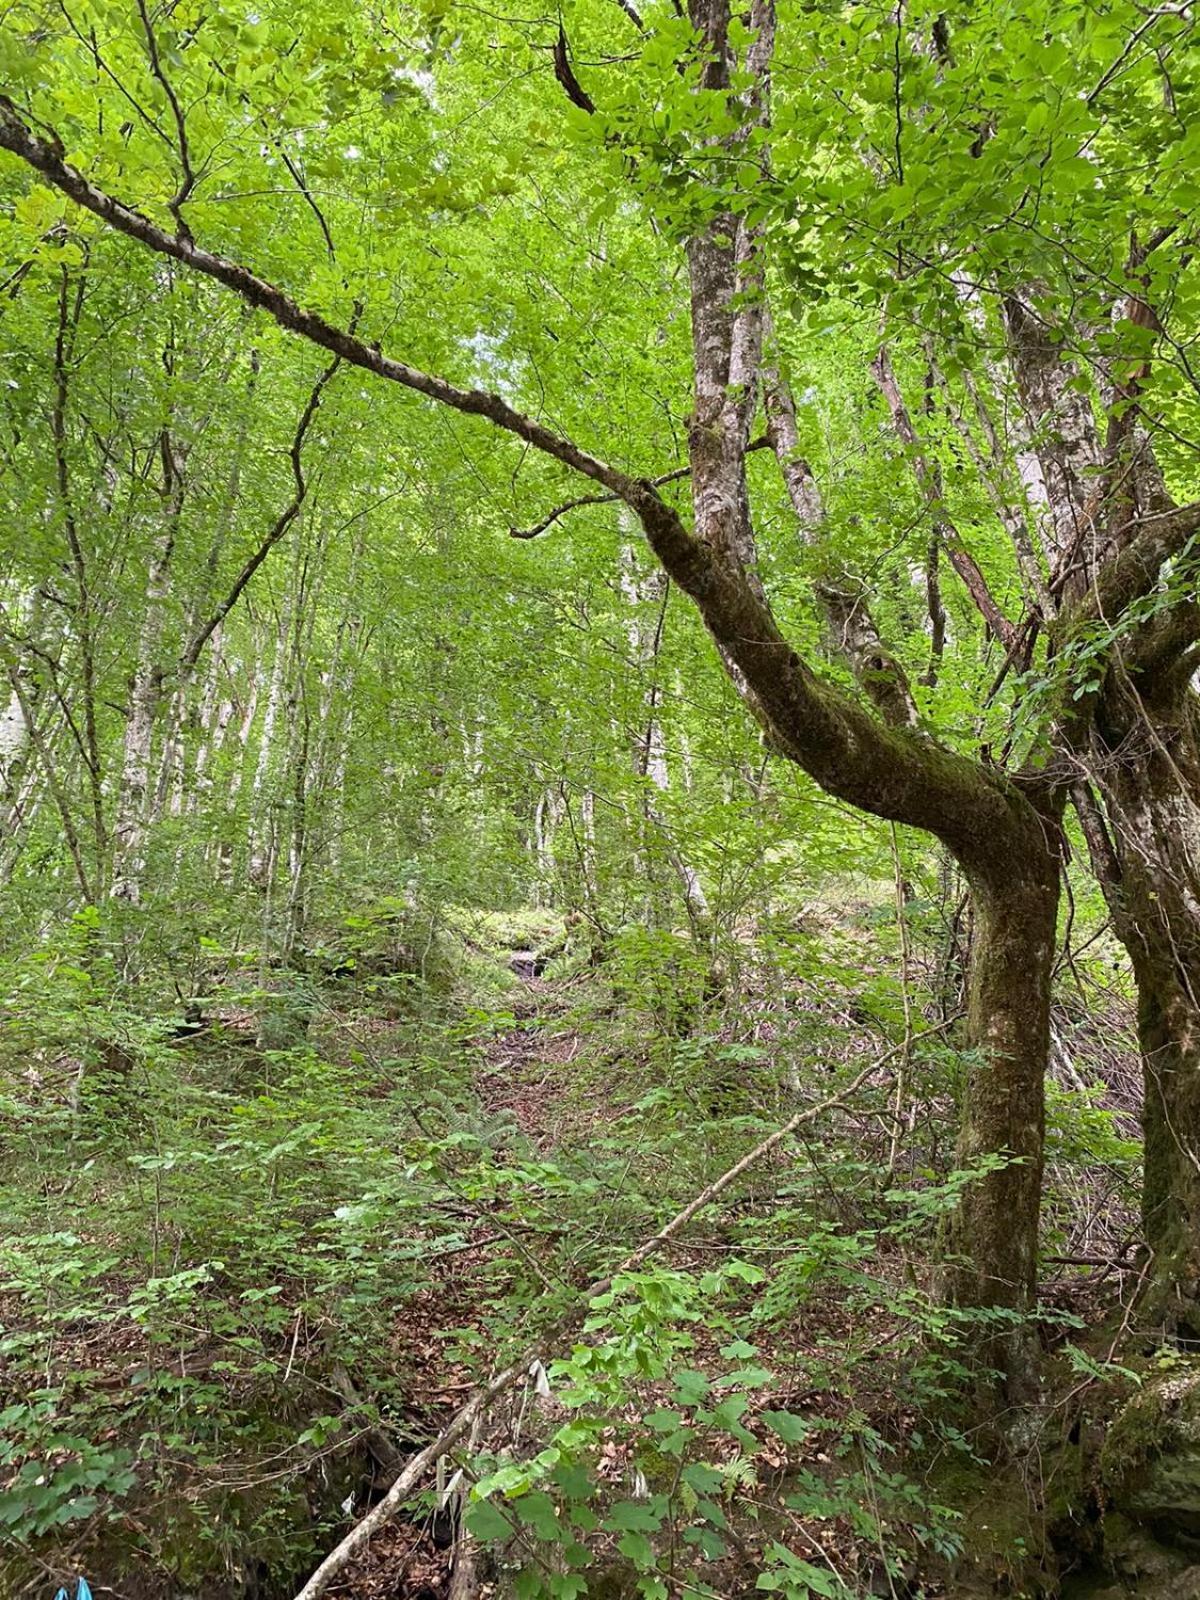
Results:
<point x="692" y="128"/>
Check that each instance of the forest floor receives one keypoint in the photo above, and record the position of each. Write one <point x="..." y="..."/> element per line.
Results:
<point x="524" y="1073"/>
<point x="344" y="1233"/>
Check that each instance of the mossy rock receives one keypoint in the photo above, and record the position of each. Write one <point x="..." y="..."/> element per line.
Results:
<point x="1135" y="1567"/>
<point x="1150" y="1463"/>
<point x="1003" y="1549"/>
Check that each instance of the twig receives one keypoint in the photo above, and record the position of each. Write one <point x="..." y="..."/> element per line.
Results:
<point x="1109" y="1263"/>
<point x="608" y="499"/>
<point x="291" y="1361"/>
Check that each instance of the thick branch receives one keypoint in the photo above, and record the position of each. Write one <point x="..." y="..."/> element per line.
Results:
<point x="891" y="773"/>
<point x="725" y="277"/>
<point x="47" y="158"/>
<point x="565" y="74"/>
<point x="1135" y="570"/>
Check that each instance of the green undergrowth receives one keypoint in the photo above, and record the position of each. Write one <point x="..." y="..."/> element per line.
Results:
<point x="232" y="1249"/>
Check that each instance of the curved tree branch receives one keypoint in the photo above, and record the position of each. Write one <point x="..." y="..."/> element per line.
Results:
<point x="892" y="773"/>
<point x="276" y="532"/>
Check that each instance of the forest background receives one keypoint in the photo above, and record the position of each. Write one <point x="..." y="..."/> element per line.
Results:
<point x="578" y="591"/>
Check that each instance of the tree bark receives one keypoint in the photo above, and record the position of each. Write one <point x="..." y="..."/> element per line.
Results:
<point x="1146" y="761"/>
<point x="1003" y="1114"/>
<point x="128" y="834"/>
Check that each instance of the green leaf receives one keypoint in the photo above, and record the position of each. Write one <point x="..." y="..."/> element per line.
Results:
<point x="789" y="1427"/>
<point x="690" y="1387"/>
<point x="701" y="1477"/>
<point x="638" y="1548"/>
<point x="486" y="1523"/>
<point x="537" y="1511"/>
<point x="634" y="1514"/>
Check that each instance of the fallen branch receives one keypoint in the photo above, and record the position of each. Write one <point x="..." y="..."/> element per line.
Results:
<point x="386" y="1455"/>
<point x="460" y="1426"/>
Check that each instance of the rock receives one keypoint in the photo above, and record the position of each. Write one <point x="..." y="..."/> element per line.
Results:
<point x="1135" y="1566"/>
<point x="1150" y="1462"/>
<point x="527" y="963"/>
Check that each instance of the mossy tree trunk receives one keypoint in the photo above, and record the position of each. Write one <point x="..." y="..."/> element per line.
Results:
<point x="1139" y="742"/>
<point x="995" y="1233"/>
<point x="1146" y="761"/>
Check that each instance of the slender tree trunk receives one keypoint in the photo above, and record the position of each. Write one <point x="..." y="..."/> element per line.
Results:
<point x="647" y="594"/>
<point x="14" y="743"/>
<point x="134" y="805"/>
<point x="299" y="846"/>
<point x="261" y="817"/>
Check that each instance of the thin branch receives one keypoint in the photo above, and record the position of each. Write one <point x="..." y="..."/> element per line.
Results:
<point x="633" y="15"/>
<point x="52" y="778"/>
<point x="1008" y="498"/>
<point x="280" y="526"/>
<point x="928" y="479"/>
<point x="63" y="342"/>
<point x="185" y="158"/>
<point x="1102" y="853"/>
<point x="855" y="633"/>
<point x="24" y="642"/>
<point x="552" y="517"/>
<point x="89" y="43"/>
<point x="301" y="184"/>
<point x="1182" y="12"/>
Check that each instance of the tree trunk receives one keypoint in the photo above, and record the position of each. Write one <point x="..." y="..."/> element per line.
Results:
<point x="128" y="835"/>
<point x="1146" y="759"/>
<point x="1142" y="752"/>
<point x="1008" y="1032"/>
<point x="647" y="594"/>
